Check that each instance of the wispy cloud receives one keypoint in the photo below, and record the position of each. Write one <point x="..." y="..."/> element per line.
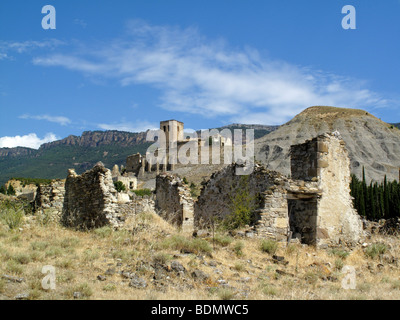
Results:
<point x="56" y="119"/>
<point x="138" y="126"/>
<point x="8" y="48"/>
<point x="30" y="140"/>
<point x="211" y="79"/>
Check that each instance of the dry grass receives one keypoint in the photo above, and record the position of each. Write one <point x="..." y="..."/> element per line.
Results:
<point x="237" y="268"/>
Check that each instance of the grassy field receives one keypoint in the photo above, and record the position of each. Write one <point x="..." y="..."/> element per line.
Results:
<point x="109" y="264"/>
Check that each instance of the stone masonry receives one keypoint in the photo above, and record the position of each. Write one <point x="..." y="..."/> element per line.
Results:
<point x="90" y="199"/>
<point x="50" y="196"/>
<point x="265" y="192"/>
<point x="174" y="202"/>
<point x="331" y="216"/>
<point x="314" y="206"/>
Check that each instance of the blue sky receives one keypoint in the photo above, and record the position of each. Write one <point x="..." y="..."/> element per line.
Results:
<point x="126" y="65"/>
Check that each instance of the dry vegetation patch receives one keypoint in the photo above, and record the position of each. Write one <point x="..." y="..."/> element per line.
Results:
<point x="152" y="260"/>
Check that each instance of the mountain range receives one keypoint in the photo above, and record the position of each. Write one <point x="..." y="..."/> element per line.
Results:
<point x="372" y="144"/>
<point x="53" y="159"/>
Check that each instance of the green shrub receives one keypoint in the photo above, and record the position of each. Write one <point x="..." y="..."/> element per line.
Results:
<point x="375" y="250"/>
<point x="22" y="258"/>
<point x="269" y="246"/>
<point x="238" y="248"/>
<point x="226" y="294"/>
<point x="238" y="266"/>
<point x="161" y="258"/>
<point x="10" y="190"/>
<point x="181" y="243"/>
<point x="39" y="245"/>
<point x="14" y="267"/>
<point x="109" y="287"/>
<point x="222" y="240"/>
<point x="242" y="206"/>
<point x="342" y="254"/>
<point x="143" y="192"/>
<point x="339" y="264"/>
<point x="103" y="232"/>
<point x="11" y="216"/>
<point x="269" y="290"/>
<point x="119" y="186"/>
<point x="35" y="181"/>
<point x="83" y="288"/>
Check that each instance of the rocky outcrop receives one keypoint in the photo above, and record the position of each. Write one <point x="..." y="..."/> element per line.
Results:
<point x="16" y="152"/>
<point x="99" y="138"/>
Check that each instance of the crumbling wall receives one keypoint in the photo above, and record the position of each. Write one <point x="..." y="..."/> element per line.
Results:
<point x="330" y="216"/>
<point x="90" y="199"/>
<point x="173" y="201"/>
<point x="50" y="196"/>
<point x="265" y="192"/>
<point x="143" y="204"/>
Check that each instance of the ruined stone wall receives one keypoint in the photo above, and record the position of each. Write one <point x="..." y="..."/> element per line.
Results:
<point x="264" y="189"/>
<point x="134" y="163"/>
<point x="143" y="204"/>
<point x="336" y="215"/>
<point x="330" y="217"/>
<point x="173" y="201"/>
<point x="90" y="199"/>
<point x="50" y="196"/>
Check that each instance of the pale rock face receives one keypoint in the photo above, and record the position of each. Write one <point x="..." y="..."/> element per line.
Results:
<point x="370" y="142"/>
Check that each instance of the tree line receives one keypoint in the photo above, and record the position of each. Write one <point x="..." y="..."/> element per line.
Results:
<point x="375" y="201"/>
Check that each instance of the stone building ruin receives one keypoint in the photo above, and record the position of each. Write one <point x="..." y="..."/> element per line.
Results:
<point x="50" y="196"/>
<point x="314" y="205"/>
<point x="174" y="202"/>
<point x="330" y="214"/>
<point x="127" y="178"/>
<point x="90" y="199"/>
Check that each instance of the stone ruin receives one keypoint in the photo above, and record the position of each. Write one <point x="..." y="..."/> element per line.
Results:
<point x="329" y="214"/>
<point x="127" y="178"/>
<point x="90" y="199"/>
<point x="50" y="196"/>
<point x="174" y="202"/>
<point x="313" y="206"/>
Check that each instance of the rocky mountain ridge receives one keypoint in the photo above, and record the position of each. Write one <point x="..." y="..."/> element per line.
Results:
<point x="371" y="143"/>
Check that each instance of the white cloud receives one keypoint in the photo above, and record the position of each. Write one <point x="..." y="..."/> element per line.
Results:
<point x="138" y="126"/>
<point x="198" y="76"/>
<point x="24" y="46"/>
<point x="30" y="140"/>
<point x="56" y="119"/>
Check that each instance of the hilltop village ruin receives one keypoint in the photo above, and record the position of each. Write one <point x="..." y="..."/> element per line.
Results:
<point x="313" y="206"/>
